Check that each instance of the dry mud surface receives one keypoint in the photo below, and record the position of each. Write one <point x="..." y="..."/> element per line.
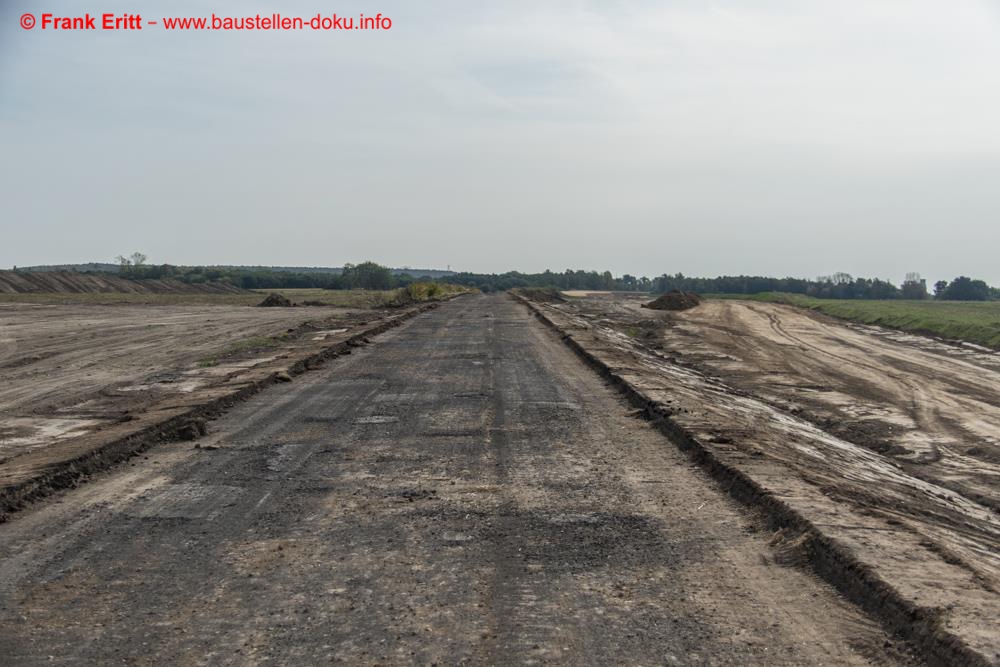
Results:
<point x="464" y="490"/>
<point x="933" y="408"/>
<point x="75" y="376"/>
<point x="886" y="442"/>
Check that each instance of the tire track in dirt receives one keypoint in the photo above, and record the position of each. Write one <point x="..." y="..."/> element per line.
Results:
<point x="920" y="554"/>
<point x="463" y="490"/>
<point x="924" y="415"/>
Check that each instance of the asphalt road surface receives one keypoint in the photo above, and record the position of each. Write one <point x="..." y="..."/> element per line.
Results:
<point x="463" y="490"/>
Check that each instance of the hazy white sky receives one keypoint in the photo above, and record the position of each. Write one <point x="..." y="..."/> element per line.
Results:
<point x="781" y="137"/>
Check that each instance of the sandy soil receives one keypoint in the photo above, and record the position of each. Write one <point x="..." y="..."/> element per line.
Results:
<point x="886" y="441"/>
<point x="66" y="370"/>
<point x="933" y="408"/>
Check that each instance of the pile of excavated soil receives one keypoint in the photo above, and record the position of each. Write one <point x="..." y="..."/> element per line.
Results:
<point x="18" y="282"/>
<point x="275" y="300"/>
<point x="674" y="300"/>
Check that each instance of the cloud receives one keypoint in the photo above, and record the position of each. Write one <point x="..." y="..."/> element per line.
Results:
<point x="787" y="137"/>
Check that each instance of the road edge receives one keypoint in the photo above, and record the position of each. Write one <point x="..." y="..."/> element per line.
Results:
<point x="74" y="471"/>
<point x="835" y="564"/>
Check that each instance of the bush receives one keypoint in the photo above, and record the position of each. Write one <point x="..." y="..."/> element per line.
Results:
<point x="426" y="291"/>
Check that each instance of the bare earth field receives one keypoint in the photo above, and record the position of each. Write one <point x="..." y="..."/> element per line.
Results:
<point x="466" y="490"/>
<point x="933" y="408"/>
<point x="74" y="375"/>
<point x="886" y="442"/>
<point x="462" y="491"/>
<point x="340" y="298"/>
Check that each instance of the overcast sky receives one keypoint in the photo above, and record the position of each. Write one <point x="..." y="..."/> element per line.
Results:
<point x="781" y="137"/>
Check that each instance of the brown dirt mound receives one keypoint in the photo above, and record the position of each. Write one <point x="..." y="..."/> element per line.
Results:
<point x="674" y="300"/>
<point x="19" y="282"/>
<point x="275" y="300"/>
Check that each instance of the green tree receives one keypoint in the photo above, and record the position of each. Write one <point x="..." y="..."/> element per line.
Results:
<point x="967" y="289"/>
<point x="368" y="275"/>
<point x="132" y="266"/>
<point x="914" y="287"/>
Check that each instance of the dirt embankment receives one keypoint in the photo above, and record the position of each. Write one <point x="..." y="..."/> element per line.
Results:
<point x="908" y="532"/>
<point x="82" y="387"/>
<point x="540" y="294"/>
<point x="16" y="282"/>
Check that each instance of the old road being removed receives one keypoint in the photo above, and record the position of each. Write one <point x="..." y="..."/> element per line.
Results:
<point x="465" y="489"/>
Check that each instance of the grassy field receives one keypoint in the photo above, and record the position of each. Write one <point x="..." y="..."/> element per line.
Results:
<point x="354" y="298"/>
<point x="972" y="321"/>
<point x="337" y="298"/>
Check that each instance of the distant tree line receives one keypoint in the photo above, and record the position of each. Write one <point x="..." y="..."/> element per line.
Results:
<point x="370" y="275"/>
<point x="567" y="280"/>
<point x="965" y="289"/>
<point x="366" y="275"/>
<point x="836" y="286"/>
